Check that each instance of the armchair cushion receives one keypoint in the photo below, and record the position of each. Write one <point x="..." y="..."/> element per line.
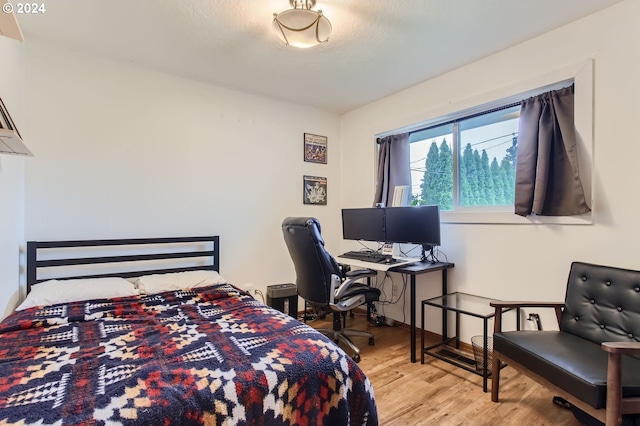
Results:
<point x="572" y="363"/>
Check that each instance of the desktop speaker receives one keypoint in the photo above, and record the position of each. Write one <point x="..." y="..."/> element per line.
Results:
<point x="283" y="297"/>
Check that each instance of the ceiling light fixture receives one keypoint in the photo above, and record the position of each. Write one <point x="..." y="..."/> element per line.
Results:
<point x="301" y="26"/>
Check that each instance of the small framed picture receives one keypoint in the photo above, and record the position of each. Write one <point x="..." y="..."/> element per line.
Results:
<point x="314" y="190"/>
<point x="315" y="148"/>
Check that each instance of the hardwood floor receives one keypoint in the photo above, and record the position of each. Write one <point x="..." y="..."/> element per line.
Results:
<point x="438" y="393"/>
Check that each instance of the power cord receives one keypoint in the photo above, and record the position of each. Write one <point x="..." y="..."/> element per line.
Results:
<point x="440" y="252"/>
<point x="261" y="294"/>
<point x="430" y="256"/>
<point x="369" y="249"/>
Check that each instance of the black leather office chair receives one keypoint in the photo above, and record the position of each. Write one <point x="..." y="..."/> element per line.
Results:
<point x="320" y="279"/>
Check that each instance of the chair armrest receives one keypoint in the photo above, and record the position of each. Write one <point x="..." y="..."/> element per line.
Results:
<point x="499" y="305"/>
<point x="352" y="277"/>
<point x="361" y="273"/>
<point x="624" y="348"/>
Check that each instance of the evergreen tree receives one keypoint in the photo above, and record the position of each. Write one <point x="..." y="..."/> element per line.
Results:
<point x="498" y="183"/>
<point x="509" y="168"/>
<point x="487" y="180"/>
<point x="468" y="177"/>
<point x="481" y="182"/>
<point x="446" y="176"/>
<point x="512" y="151"/>
<point x="480" y="197"/>
<point x="430" y="178"/>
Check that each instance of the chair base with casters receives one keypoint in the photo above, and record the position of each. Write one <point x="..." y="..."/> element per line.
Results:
<point x="346" y="295"/>
<point x="343" y="335"/>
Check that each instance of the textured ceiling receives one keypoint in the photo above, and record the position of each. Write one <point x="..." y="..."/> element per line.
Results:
<point x="377" y="47"/>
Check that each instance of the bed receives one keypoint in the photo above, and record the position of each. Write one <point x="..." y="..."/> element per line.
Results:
<point x="153" y="344"/>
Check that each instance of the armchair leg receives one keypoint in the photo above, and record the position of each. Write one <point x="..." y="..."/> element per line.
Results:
<point x="495" y="377"/>
<point x="613" y="415"/>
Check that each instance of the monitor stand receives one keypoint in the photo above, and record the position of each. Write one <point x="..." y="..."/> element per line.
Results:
<point x="427" y="253"/>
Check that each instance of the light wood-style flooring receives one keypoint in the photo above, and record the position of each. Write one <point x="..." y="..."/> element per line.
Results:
<point x="438" y="393"/>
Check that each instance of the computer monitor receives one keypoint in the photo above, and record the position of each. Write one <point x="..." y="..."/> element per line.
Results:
<point x="363" y="224"/>
<point x="414" y="225"/>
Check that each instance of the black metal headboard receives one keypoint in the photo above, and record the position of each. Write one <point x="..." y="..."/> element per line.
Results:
<point x="143" y="256"/>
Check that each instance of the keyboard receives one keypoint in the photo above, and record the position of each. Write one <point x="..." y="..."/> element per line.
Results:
<point x="368" y="256"/>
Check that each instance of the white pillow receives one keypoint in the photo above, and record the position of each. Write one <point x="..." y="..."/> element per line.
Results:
<point x="158" y="283"/>
<point x="62" y="291"/>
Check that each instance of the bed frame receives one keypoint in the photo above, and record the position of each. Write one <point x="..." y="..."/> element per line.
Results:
<point x="143" y="256"/>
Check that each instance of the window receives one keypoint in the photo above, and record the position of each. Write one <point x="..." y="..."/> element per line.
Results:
<point x="467" y="163"/>
<point x="457" y="124"/>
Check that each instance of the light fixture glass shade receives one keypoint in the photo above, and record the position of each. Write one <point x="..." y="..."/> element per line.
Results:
<point x="302" y="27"/>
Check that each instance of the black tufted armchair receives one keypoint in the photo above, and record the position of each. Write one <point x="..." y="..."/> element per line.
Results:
<point x="591" y="360"/>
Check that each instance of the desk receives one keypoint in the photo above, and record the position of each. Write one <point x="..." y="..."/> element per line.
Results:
<point x="400" y="261"/>
<point x="419" y="268"/>
<point x="411" y="269"/>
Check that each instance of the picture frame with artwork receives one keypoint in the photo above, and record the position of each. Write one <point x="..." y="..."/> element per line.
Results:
<point x="314" y="190"/>
<point x="315" y="148"/>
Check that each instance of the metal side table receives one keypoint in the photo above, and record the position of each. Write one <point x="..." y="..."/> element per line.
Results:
<point x="467" y="304"/>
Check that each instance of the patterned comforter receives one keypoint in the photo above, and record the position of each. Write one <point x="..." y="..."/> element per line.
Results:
<point x="211" y="356"/>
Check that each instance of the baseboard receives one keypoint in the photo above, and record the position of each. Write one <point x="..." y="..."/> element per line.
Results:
<point x="428" y="335"/>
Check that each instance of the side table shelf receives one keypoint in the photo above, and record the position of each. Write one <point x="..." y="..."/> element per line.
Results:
<point x="448" y="349"/>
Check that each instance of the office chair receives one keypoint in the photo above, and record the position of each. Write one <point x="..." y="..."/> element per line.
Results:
<point x="320" y="280"/>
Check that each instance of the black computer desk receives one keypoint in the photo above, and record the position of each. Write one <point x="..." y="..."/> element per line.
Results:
<point x="418" y="268"/>
<point x="411" y="269"/>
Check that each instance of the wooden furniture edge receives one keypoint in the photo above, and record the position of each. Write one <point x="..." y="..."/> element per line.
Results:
<point x="625" y="348"/>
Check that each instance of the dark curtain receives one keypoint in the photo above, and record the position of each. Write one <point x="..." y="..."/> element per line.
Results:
<point x="547" y="180"/>
<point x="393" y="167"/>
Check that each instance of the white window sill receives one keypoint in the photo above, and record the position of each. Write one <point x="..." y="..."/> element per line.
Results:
<point x="512" y="218"/>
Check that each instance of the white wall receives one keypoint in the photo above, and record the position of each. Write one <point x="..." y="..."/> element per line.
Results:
<point x="127" y="152"/>
<point x="526" y="262"/>
<point x="11" y="178"/>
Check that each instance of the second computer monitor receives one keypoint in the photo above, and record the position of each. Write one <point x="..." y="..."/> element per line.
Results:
<point x="415" y="225"/>
<point x="365" y="224"/>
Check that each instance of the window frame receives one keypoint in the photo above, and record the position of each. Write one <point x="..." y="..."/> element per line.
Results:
<point x="454" y="129"/>
<point x="581" y="75"/>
